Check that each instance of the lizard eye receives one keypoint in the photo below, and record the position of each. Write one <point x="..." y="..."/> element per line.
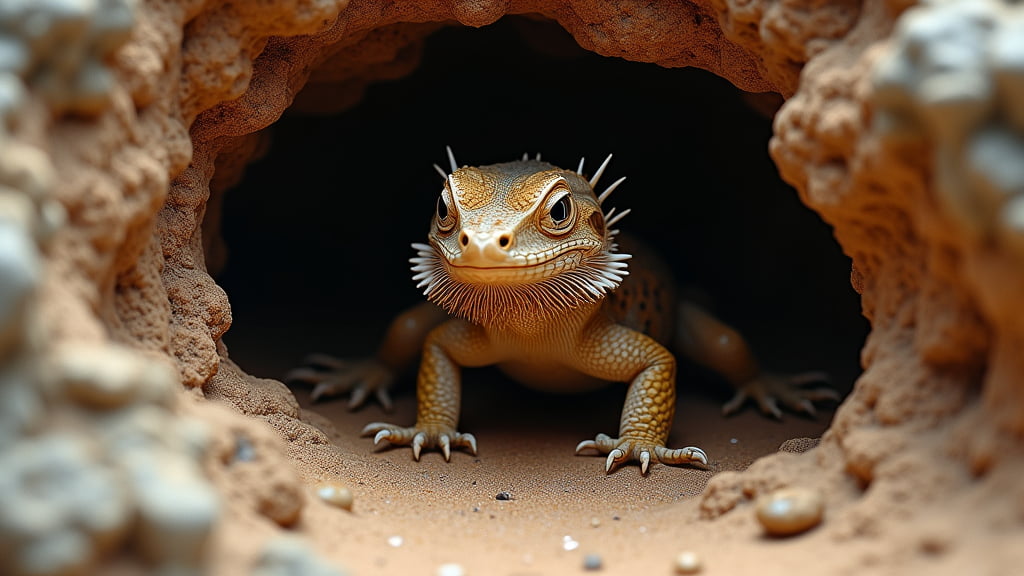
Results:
<point x="445" y="212"/>
<point x="559" y="213"/>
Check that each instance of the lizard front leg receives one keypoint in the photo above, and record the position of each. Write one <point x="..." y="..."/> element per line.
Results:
<point x="448" y="347"/>
<point x="617" y="353"/>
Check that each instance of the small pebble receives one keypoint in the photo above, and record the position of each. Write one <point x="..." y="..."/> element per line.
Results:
<point x="592" y="562"/>
<point x="595" y="522"/>
<point x="688" y="562"/>
<point x="244" y="450"/>
<point x="503" y="495"/>
<point x="733" y="441"/>
<point x="335" y="494"/>
<point x="790" y="511"/>
<point x="450" y="570"/>
<point x="568" y="543"/>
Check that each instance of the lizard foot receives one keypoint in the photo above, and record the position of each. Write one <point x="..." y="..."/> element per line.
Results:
<point x="333" y="376"/>
<point x="422" y="436"/>
<point x="622" y="450"/>
<point x="793" y="391"/>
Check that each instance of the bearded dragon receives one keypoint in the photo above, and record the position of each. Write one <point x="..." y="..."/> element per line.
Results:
<point x="522" y="270"/>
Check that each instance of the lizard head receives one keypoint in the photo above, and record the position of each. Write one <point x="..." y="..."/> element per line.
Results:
<point x="523" y="235"/>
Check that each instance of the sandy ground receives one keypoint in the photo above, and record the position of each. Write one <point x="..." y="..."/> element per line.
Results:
<point x="416" y="517"/>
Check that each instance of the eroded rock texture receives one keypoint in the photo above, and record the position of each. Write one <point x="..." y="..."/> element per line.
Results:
<point x="902" y="136"/>
<point x="903" y="128"/>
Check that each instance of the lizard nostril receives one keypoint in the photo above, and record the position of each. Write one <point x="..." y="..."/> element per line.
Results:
<point x="464" y="238"/>
<point x="505" y="240"/>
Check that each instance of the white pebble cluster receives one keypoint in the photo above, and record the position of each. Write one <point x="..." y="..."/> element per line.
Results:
<point x="105" y="460"/>
<point x="955" y="72"/>
<point x="61" y="48"/>
<point x="92" y="452"/>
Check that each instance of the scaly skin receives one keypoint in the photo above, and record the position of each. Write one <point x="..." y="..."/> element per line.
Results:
<point x="522" y="259"/>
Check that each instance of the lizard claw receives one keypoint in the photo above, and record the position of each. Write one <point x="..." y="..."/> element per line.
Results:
<point x="595" y="444"/>
<point x="446" y="447"/>
<point x="382" y="435"/>
<point x="334" y="376"/>
<point x="422" y="437"/>
<point x="612" y="459"/>
<point x="469" y="441"/>
<point x="417" y="445"/>
<point x="358" y="397"/>
<point x="645" y="461"/>
<point x="794" y="392"/>
<point x="681" y="455"/>
<point x="627" y="449"/>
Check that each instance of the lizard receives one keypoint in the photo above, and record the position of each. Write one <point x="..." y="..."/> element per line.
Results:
<point x="522" y="270"/>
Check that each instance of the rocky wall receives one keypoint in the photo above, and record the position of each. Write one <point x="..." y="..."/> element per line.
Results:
<point x="902" y="128"/>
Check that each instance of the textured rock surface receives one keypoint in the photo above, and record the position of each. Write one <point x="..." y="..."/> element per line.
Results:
<point x="111" y="144"/>
<point x="881" y="139"/>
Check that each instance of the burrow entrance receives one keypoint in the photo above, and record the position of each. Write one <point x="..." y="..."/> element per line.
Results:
<point x="318" y="231"/>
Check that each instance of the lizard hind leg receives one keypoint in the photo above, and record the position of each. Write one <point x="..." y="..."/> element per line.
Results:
<point x="332" y="376"/>
<point x="710" y="342"/>
<point x="798" y="392"/>
<point x="622" y="450"/>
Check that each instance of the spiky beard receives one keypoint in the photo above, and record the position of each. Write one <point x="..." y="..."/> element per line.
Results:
<point x="500" y="305"/>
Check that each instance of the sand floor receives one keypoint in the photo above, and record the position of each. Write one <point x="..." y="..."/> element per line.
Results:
<point x="413" y="517"/>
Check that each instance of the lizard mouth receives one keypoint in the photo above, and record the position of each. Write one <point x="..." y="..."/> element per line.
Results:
<point x="515" y="273"/>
